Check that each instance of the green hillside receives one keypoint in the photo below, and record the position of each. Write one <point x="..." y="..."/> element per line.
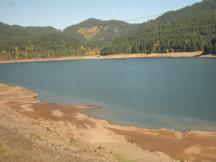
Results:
<point x="37" y="42"/>
<point x="98" y="33"/>
<point x="189" y="29"/>
<point x="85" y="38"/>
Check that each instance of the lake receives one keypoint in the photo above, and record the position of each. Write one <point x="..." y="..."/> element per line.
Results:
<point x="174" y="93"/>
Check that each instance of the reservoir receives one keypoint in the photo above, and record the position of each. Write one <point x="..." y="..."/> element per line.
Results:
<point x="173" y="93"/>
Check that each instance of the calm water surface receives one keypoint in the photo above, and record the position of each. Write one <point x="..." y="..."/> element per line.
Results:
<point x="153" y="93"/>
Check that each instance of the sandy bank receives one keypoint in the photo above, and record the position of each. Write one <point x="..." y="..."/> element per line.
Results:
<point x="118" y="56"/>
<point x="62" y="132"/>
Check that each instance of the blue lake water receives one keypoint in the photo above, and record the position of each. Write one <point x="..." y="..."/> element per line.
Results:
<point x="175" y="93"/>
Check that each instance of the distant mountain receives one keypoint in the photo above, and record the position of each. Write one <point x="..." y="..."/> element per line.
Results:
<point x="13" y="33"/>
<point x="36" y="42"/>
<point x="87" y="37"/>
<point x="7" y="31"/>
<point x="19" y="31"/>
<point x="97" y="31"/>
<point x="41" y="30"/>
<point x="189" y="29"/>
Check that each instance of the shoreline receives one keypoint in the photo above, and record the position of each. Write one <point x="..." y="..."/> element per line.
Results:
<point x="109" y="57"/>
<point x="68" y="127"/>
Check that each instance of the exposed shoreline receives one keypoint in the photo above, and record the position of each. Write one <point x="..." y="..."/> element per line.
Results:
<point x="63" y="129"/>
<point x="117" y="56"/>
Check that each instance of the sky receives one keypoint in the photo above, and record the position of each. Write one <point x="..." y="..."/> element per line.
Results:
<point x="63" y="13"/>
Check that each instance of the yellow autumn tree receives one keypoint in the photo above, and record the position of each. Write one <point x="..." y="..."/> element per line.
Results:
<point x="17" y="52"/>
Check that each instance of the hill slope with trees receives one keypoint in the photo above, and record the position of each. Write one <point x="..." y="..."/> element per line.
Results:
<point x="37" y="42"/>
<point x="189" y="29"/>
<point x="98" y="33"/>
<point x="85" y="38"/>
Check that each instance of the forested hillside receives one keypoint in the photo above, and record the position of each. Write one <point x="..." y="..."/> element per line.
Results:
<point x="189" y="29"/>
<point x="98" y="33"/>
<point x="37" y="42"/>
<point x="85" y="38"/>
